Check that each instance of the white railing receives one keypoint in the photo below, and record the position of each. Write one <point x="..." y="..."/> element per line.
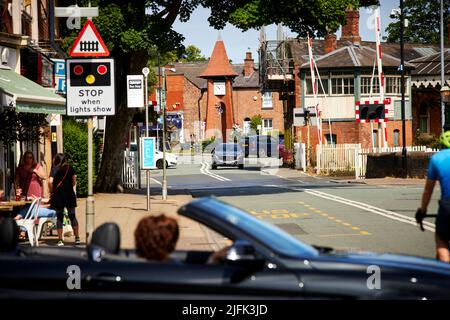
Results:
<point x="340" y="157"/>
<point x="131" y="172"/>
<point x="351" y="157"/>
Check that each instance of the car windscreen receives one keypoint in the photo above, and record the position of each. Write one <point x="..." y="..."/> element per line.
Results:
<point x="228" y="148"/>
<point x="267" y="234"/>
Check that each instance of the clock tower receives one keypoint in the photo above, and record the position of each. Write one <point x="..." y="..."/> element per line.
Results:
<point x="219" y="103"/>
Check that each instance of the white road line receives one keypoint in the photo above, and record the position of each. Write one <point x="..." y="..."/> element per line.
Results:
<point x="367" y="207"/>
<point x="153" y="179"/>
<point x="204" y="170"/>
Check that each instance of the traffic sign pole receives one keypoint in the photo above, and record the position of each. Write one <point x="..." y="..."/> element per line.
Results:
<point x="90" y="211"/>
<point x="146" y="71"/>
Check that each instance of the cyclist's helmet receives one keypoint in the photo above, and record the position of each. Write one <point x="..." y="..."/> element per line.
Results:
<point x="445" y="139"/>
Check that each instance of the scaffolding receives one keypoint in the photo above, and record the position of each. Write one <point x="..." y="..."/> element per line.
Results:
<point x="276" y="62"/>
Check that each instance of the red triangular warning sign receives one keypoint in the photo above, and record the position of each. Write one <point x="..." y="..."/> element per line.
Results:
<point x="89" y="43"/>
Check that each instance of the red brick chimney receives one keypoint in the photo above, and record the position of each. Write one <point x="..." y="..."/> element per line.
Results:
<point x="330" y="42"/>
<point x="350" y="31"/>
<point x="249" y="64"/>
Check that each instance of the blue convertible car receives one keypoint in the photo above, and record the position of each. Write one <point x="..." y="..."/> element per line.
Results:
<point x="263" y="262"/>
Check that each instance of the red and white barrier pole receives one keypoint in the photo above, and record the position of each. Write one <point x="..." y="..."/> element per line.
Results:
<point x="380" y="71"/>
<point x="314" y="86"/>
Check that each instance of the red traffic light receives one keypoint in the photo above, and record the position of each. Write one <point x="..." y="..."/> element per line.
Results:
<point x="102" y="69"/>
<point x="78" y="70"/>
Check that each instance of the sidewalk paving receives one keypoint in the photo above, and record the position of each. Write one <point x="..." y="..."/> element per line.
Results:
<point x="127" y="210"/>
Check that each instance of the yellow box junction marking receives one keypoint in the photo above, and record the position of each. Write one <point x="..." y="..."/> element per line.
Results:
<point x="278" y="214"/>
<point x="339" y="221"/>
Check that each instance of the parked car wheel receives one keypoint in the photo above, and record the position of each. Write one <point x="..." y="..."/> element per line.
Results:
<point x="241" y="166"/>
<point x="214" y="166"/>
<point x="159" y="164"/>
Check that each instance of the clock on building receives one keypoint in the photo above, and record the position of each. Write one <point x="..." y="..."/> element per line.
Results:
<point x="219" y="88"/>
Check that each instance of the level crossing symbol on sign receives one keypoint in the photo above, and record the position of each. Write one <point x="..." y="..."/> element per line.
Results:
<point x="89" y="43"/>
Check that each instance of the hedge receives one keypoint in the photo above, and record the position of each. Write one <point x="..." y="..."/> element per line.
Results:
<point x="75" y="139"/>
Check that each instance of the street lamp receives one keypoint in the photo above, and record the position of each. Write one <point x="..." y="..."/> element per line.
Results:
<point x="164" y="107"/>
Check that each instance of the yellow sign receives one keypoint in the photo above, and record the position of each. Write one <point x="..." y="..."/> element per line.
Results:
<point x="53" y="136"/>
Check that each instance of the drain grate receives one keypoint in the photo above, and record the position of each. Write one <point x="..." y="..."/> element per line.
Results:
<point x="291" y="228"/>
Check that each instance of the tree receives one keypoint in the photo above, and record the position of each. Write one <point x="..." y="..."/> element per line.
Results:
<point x="255" y="121"/>
<point x="424" y="22"/>
<point x="192" y="53"/>
<point x="134" y="30"/>
<point x="22" y="127"/>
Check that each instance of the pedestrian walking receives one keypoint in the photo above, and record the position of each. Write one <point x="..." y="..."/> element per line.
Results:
<point x="63" y="181"/>
<point x="439" y="170"/>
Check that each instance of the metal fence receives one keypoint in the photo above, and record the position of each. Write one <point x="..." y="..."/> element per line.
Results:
<point x="353" y="158"/>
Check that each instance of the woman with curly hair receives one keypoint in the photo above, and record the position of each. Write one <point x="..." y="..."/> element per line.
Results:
<point x="156" y="237"/>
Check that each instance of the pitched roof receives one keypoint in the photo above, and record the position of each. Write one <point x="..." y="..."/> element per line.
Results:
<point x="431" y="65"/>
<point x="299" y="49"/>
<point x="353" y="55"/>
<point x="193" y="70"/>
<point x="219" y="64"/>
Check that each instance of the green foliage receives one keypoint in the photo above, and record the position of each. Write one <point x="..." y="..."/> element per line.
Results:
<point x="20" y="126"/>
<point x="192" y="53"/>
<point x="301" y="16"/>
<point x="424" y="22"/>
<point x="208" y="144"/>
<point x="75" y="139"/>
<point x="255" y="121"/>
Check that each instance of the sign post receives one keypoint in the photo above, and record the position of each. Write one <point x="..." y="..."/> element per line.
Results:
<point x="145" y="72"/>
<point x="90" y="92"/>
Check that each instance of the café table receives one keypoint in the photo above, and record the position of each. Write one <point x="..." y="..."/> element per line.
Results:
<point x="9" y="206"/>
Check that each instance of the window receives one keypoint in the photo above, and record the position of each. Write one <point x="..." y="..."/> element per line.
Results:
<point x="365" y="85"/>
<point x="320" y="90"/>
<point x="331" y="138"/>
<point x="267" y="126"/>
<point x="267" y="100"/>
<point x="396" y="136"/>
<point x="394" y="84"/>
<point x="342" y="85"/>
<point x="375" y="138"/>
<point x="424" y="118"/>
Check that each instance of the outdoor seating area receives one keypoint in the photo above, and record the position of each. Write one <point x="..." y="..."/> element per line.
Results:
<point x="32" y="217"/>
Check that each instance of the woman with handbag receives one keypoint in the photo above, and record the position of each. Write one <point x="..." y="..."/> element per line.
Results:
<point x="62" y="182"/>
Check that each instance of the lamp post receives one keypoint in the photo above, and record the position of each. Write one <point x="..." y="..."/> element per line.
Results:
<point x="164" y="136"/>
<point x="402" y="82"/>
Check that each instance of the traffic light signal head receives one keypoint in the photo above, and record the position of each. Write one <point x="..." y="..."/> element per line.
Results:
<point x="368" y="112"/>
<point x="85" y="74"/>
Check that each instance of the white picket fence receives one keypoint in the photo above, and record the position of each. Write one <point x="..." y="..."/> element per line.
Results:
<point x="351" y="157"/>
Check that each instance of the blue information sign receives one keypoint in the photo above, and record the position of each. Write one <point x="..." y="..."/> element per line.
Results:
<point x="148" y="152"/>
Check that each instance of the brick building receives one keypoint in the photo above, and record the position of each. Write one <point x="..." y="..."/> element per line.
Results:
<point x="346" y="66"/>
<point x="196" y="110"/>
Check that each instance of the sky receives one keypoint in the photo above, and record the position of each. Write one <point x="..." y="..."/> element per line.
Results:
<point x="198" y="32"/>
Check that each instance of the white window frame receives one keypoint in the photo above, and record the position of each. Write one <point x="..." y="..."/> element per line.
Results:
<point x="265" y="128"/>
<point x="319" y="87"/>
<point x="341" y="77"/>
<point x="265" y="98"/>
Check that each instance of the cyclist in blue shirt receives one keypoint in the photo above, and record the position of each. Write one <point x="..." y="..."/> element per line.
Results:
<point x="439" y="169"/>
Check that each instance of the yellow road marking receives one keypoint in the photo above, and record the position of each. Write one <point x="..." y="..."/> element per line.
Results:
<point x="356" y="228"/>
<point x="332" y="218"/>
<point x="280" y="211"/>
<point x="280" y="216"/>
<point x="341" y="235"/>
<point x="364" y="233"/>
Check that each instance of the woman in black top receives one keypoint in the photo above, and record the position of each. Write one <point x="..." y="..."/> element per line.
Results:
<point x="62" y="182"/>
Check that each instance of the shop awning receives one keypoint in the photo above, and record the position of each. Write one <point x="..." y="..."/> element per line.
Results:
<point x="28" y="96"/>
